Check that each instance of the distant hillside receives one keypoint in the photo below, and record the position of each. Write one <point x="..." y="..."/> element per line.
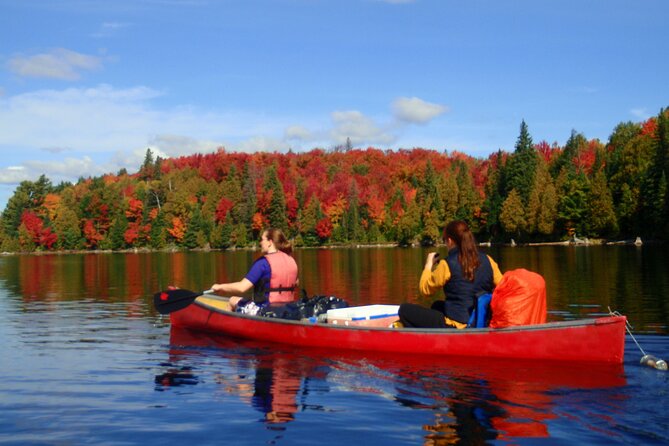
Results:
<point x="223" y="200"/>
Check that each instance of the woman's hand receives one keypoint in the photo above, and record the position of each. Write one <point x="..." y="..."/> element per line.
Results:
<point x="431" y="258"/>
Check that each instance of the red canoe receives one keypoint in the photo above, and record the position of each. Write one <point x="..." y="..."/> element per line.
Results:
<point x="599" y="340"/>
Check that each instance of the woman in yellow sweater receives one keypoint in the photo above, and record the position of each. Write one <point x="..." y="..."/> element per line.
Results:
<point x="464" y="274"/>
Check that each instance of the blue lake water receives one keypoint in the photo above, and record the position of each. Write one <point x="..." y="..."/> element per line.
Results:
<point x="86" y="360"/>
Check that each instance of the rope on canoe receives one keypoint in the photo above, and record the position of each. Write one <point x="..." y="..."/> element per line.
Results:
<point x="646" y="359"/>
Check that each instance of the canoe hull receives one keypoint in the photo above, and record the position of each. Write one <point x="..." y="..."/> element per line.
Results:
<point x="599" y="340"/>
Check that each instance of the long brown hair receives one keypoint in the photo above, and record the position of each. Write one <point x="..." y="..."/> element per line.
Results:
<point x="279" y="239"/>
<point x="468" y="253"/>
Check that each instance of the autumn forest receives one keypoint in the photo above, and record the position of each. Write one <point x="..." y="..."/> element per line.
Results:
<point x="609" y="190"/>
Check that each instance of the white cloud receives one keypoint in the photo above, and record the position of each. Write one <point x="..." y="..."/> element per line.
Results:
<point x="113" y="128"/>
<point x="262" y="144"/>
<point x="68" y="169"/>
<point x="85" y="120"/>
<point x="108" y="29"/>
<point x="60" y="63"/>
<point x="359" y="128"/>
<point x="167" y="145"/>
<point x="64" y="169"/>
<point x="55" y="149"/>
<point x="298" y="132"/>
<point x="14" y="175"/>
<point x="416" y="111"/>
<point x="640" y="113"/>
<point x="104" y="129"/>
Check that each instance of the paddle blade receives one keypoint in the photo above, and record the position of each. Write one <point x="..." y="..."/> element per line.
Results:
<point x="169" y="301"/>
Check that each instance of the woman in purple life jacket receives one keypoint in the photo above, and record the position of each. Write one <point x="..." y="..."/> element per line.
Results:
<point x="273" y="276"/>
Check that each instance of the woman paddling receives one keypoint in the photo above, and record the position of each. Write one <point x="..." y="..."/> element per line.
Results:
<point x="464" y="274"/>
<point x="273" y="276"/>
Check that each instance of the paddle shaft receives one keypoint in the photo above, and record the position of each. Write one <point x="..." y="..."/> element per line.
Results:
<point x="172" y="300"/>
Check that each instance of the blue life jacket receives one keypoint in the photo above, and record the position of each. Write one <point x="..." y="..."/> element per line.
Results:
<point x="460" y="292"/>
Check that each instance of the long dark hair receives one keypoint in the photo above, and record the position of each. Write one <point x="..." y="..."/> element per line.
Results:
<point x="468" y="253"/>
<point x="279" y="240"/>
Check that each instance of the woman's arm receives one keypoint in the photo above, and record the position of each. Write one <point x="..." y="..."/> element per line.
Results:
<point x="240" y="287"/>
<point x="431" y="280"/>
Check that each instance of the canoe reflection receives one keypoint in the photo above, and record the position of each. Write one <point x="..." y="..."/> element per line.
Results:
<point x="469" y="401"/>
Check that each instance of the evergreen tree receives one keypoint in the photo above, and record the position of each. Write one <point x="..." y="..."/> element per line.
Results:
<point x="654" y="191"/>
<point x="575" y="144"/>
<point x="195" y="236"/>
<point x="239" y="235"/>
<point x="431" y="233"/>
<point x="625" y="182"/>
<point x="573" y="203"/>
<point x="232" y="190"/>
<point x="622" y="135"/>
<point x="409" y="225"/>
<point x="222" y="235"/>
<point x="542" y="207"/>
<point x="512" y="215"/>
<point x="468" y="198"/>
<point x="521" y="165"/>
<point x="28" y="195"/>
<point x="601" y="215"/>
<point x="429" y="194"/>
<point x="352" y="216"/>
<point x="494" y="194"/>
<point x="450" y="193"/>
<point x="247" y="206"/>
<point x="157" y="236"/>
<point x="117" y="232"/>
<point x="66" y="222"/>
<point x="277" y="206"/>
<point x="148" y="169"/>
<point x="307" y="220"/>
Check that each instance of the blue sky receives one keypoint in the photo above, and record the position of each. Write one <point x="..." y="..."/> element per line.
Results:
<point x="87" y="86"/>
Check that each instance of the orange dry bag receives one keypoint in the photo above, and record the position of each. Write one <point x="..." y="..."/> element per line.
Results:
<point x="519" y="299"/>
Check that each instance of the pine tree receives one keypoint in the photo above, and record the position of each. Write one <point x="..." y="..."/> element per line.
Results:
<point x="148" y="169"/>
<point x="573" y="189"/>
<point x="307" y="220"/>
<point x="494" y="194"/>
<point x="352" y="215"/>
<point x="277" y="206"/>
<point x="512" y="215"/>
<point x="195" y="236"/>
<point x="116" y="237"/>
<point x="157" y="234"/>
<point x="542" y="207"/>
<point x="408" y="225"/>
<point x="450" y="193"/>
<point x="248" y="203"/>
<point x="429" y="193"/>
<point x="601" y="216"/>
<point x="468" y="199"/>
<point x="654" y="190"/>
<point x="521" y="166"/>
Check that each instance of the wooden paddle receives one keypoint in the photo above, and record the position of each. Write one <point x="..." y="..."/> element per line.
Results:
<point x="172" y="300"/>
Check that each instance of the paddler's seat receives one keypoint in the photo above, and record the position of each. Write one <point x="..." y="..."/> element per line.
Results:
<point x="481" y="315"/>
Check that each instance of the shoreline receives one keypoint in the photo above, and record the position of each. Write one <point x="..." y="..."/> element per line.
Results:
<point x="578" y="242"/>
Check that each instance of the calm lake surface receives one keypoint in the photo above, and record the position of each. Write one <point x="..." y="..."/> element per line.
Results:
<point x="87" y="360"/>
